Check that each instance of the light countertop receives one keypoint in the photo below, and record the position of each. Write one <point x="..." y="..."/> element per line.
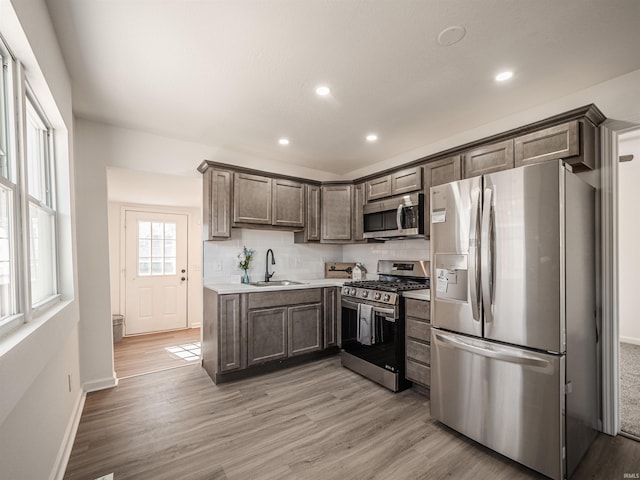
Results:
<point x="418" y="294"/>
<point x="227" y="288"/>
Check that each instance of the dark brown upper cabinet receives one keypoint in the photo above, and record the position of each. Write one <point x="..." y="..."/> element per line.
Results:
<point x="396" y="183"/>
<point x="438" y="172"/>
<point x="573" y="142"/>
<point x="488" y="158"/>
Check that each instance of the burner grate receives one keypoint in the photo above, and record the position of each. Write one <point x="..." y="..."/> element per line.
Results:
<point x="388" y="286"/>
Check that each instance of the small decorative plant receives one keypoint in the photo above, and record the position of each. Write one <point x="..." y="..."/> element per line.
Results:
<point x="245" y="261"/>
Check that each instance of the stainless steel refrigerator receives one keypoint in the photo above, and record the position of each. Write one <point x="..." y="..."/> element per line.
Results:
<point x="513" y="339"/>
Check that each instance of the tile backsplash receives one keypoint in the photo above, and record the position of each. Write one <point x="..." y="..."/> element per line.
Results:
<point x="369" y="253"/>
<point x="294" y="261"/>
<point x="298" y="261"/>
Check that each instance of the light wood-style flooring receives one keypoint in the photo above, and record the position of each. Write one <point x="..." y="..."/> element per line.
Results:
<point x="140" y="354"/>
<point x="315" y="421"/>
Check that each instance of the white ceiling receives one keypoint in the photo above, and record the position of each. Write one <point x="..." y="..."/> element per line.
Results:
<point x="239" y="74"/>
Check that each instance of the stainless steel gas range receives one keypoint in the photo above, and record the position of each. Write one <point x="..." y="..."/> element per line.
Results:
<point x="373" y="323"/>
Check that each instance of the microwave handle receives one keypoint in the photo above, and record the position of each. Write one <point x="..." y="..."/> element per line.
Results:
<point x="399" y="216"/>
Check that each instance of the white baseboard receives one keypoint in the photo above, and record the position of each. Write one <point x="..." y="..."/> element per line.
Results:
<point x="101" y="384"/>
<point x="632" y="340"/>
<point x="66" y="446"/>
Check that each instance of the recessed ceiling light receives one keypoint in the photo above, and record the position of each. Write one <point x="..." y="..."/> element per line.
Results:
<point x="372" y="137"/>
<point x="283" y="141"/>
<point x="323" y="90"/>
<point x="451" y="35"/>
<point x="502" y="76"/>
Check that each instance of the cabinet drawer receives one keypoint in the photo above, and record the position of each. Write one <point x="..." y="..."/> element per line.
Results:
<point x="284" y="297"/>
<point x="418" y="308"/>
<point x="418" y="329"/>
<point x="416" y="372"/>
<point x="419" y="351"/>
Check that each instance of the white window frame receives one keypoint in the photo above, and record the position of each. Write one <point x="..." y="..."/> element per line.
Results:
<point x="15" y="90"/>
<point x="48" y="204"/>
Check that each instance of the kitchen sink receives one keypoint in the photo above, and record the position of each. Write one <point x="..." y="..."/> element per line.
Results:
<point x="275" y="283"/>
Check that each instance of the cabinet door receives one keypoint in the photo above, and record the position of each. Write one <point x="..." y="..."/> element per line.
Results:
<point x="407" y="180"/>
<point x="305" y="329"/>
<point x="330" y="300"/>
<point x="229" y="337"/>
<point x="336" y="213"/>
<point x="312" y="227"/>
<point x="217" y="203"/>
<point x="436" y="173"/>
<point x="488" y="158"/>
<point x="251" y="199"/>
<point x="358" y="213"/>
<point x="288" y="203"/>
<point x="560" y="141"/>
<point x="266" y="335"/>
<point x="379" y="188"/>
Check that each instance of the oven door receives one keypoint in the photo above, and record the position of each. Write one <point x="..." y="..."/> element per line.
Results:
<point x="385" y="351"/>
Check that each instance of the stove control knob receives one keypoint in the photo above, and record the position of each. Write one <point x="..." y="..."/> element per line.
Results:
<point x="365" y="294"/>
<point x="353" y="291"/>
<point x="387" y="297"/>
<point x="377" y="295"/>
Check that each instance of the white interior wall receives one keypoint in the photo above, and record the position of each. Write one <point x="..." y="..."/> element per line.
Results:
<point x="38" y="404"/>
<point x="628" y="234"/>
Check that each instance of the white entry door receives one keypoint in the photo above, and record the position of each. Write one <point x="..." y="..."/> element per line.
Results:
<point x="155" y="272"/>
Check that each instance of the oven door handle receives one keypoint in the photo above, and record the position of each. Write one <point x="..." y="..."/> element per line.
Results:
<point x="387" y="313"/>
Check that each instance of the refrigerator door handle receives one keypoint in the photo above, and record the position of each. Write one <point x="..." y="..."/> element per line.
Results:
<point x="493" y="352"/>
<point x="473" y="255"/>
<point x="486" y="257"/>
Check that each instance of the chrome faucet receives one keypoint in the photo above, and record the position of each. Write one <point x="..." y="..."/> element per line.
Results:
<point x="268" y="275"/>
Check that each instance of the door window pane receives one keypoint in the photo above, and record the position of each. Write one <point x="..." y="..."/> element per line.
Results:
<point x="156" y="248"/>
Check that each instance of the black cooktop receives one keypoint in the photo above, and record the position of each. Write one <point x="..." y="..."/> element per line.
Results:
<point x="400" y="285"/>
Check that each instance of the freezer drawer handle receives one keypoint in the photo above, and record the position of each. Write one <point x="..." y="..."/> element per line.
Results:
<point x="491" y="353"/>
<point x="473" y="255"/>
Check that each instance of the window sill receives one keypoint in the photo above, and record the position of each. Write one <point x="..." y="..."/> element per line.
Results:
<point x="17" y="329"/>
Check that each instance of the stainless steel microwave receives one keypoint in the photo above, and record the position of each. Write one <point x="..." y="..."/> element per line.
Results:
<point x="401" y="216"/>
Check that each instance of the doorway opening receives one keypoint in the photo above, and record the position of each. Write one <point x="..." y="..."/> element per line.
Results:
<point x="628" y="267"/>
<point x="151" y="294"/>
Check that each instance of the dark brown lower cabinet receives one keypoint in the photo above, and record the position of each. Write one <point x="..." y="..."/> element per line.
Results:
<point x="418" y="341"/>
<point x="331" y="300"/>
<point x="266" y="335"/>
<point x="304" y="329"/>
<point x="249" y="331"/>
